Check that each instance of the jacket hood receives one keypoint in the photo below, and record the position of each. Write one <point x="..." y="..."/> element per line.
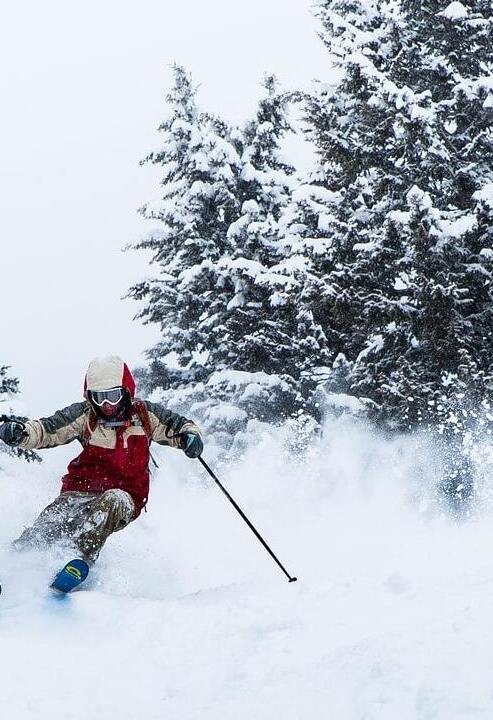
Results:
<point x="108" y="372"/>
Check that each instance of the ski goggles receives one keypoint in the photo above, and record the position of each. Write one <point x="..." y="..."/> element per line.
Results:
<point x="112" y="396"/>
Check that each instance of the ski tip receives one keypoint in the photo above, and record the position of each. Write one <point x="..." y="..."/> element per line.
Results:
<point x="71" y="576"/>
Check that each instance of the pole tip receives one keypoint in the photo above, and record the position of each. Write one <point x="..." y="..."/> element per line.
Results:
<point x="293" y="579"/>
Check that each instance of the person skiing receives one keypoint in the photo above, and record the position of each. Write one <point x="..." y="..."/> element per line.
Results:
<point x="107" y="485"/>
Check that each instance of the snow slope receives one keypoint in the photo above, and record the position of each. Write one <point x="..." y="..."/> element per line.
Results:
<point x="187" y="616"/>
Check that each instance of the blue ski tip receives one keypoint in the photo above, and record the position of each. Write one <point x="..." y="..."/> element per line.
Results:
<point x="71" y="576"/>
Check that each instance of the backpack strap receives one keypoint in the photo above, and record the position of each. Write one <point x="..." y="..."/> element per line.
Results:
<point x="141" y="408"/>
<point x="90" y="427"/>
<point x="143" y="413"/>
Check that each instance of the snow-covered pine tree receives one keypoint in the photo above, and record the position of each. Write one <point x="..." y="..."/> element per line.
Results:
<point x="264" y="328"/>
<point x="226" y="300"/>
<point x="425" y="373"/>
<point x="9" y="388"/>
<point x="196" y="206"/>
<point x="404" y="140"/>
<point x="336" y="216"/>
<point x="8" y="385"/>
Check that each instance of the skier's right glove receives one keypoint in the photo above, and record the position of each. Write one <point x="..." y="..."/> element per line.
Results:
<point x="12" y="433"/>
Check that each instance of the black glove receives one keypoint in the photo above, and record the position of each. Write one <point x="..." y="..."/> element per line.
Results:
<point x="12" y="432"/>
<point x="192" y="444"/>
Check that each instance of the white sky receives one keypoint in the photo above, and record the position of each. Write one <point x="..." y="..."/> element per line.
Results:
<point x="82" y="88"/>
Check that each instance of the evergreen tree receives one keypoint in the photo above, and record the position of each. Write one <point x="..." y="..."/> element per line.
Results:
<point x="264" y="327"/>
<point x="8" y="385"/>
<point x="226" y="298"/>
<point x="404" y="147"/>
<point x="9" y="388"/>
<point x="196" y="207"/>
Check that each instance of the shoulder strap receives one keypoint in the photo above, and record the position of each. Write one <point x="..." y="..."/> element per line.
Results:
<point x="90" y="427"/>
<point x="143" y="413"/>
<point x="141" y="408"/>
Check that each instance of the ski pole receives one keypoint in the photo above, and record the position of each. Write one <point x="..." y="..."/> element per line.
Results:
<point x="252" y="528"/>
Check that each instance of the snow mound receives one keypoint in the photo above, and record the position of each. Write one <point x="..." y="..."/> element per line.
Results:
<point x="454" y="11"/>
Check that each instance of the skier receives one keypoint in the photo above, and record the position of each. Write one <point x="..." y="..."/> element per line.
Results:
<point x="107" y="485"/>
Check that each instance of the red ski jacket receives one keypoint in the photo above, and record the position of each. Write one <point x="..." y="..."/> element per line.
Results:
<point x="111" y="457"/>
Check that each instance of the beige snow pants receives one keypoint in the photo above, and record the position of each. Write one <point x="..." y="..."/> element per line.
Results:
<point x="83" y="520"/>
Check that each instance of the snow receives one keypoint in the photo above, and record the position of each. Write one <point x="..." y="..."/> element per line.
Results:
<point x="325" y="222"/>
<point x="418" y="197"/>
<point x="188" y="618"/>
<point x="375" y="344"/>
<point x="485" y="195"/>
<point x="306" y="193"/>
<point x="201" y="189"/>
<point x="237" y="301"/>
<point x="341" y="401"/>
<point x="228" y="415"/>
<point x="454" y="11"/>
<point x="451" y="126"/>
<point x="251" y="207"/>
<point x="471" y="88"/>
<point x="400" y="217"/>
<point x="401" y="282"/>
<point x="239" y="378"/>
<point x="447" y="227"/>
<point x="278" y="299"/>
<point x="188" y="275"/>
<point x="367" y="247"/>
<point x="308" y="245"/>
<point x="459" y="226"/>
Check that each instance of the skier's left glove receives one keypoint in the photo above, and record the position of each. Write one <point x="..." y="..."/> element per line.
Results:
<point x="192" y="444"/>
<point x="12" y="433"/>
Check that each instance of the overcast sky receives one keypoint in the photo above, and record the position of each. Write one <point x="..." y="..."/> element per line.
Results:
<point x="82" y="89"/>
